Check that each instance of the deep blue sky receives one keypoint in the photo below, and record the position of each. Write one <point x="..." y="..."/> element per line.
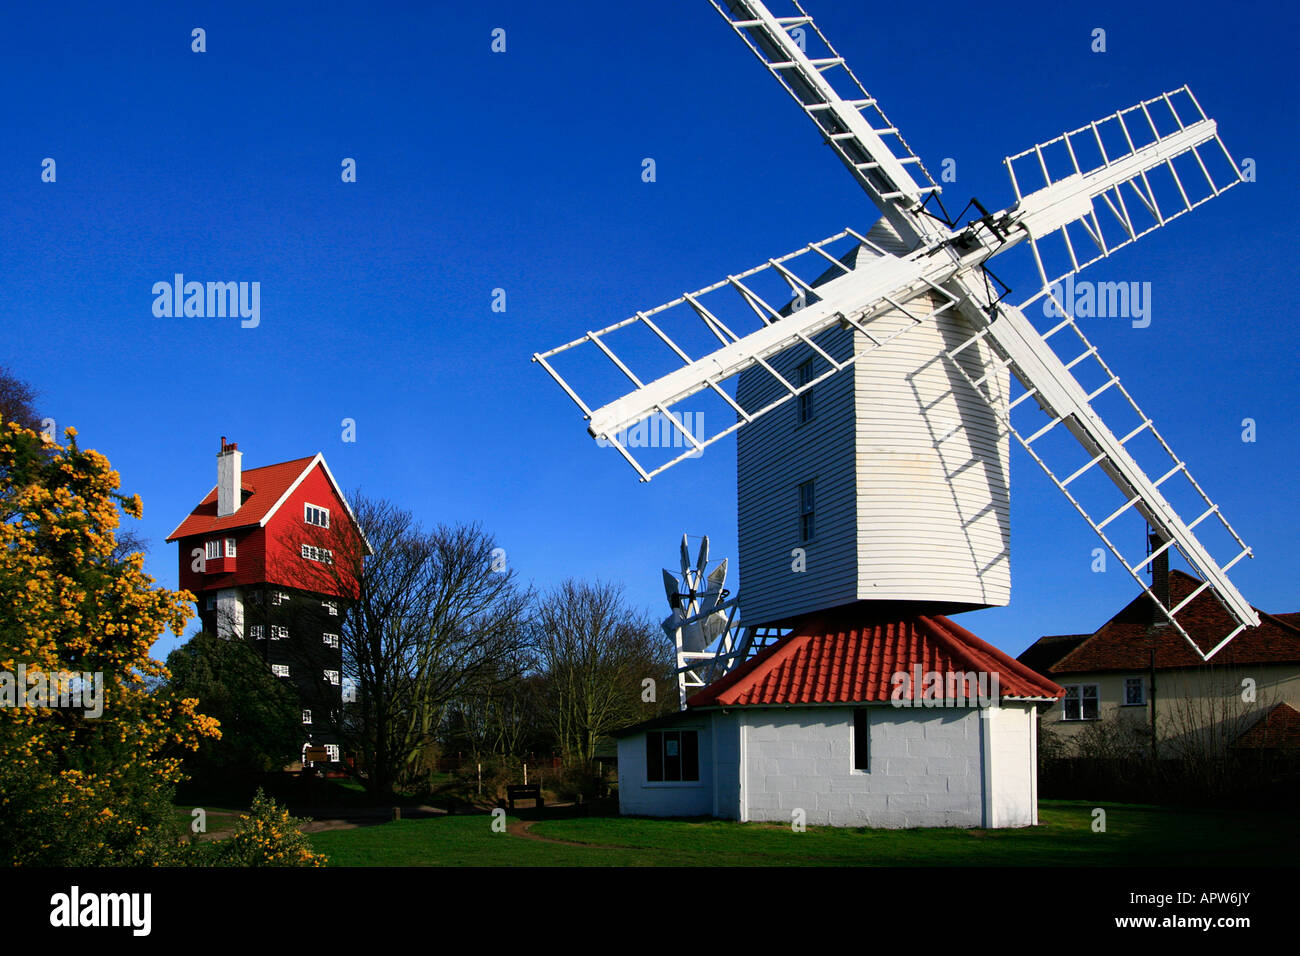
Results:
<point x="522" y="171"/>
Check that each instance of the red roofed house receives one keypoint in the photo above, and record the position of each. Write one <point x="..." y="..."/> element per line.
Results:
<point x="857" y="719"/>
<point x="273" y="555"/>
<point x="1134" y="662"/>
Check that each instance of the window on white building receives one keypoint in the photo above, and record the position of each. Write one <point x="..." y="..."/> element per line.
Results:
<point x="1081" y="702"/>
<point x="331" y="640"/>
<point x="803" y="374"/>
<point x="315" y="514"/>
<point x="807" y="528"/>
<point x="861" y="738"/>
<point x="672" y="755"/>
<point x="332" y="677"/>
<point x="280" y="670"/>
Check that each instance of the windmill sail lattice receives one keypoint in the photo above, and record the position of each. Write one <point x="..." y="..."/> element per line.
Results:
<point x="1078" y="199"/>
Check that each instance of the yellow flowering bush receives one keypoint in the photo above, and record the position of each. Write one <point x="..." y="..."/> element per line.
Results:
<point x="267" y="836"/>
<point x="78" y="788"/>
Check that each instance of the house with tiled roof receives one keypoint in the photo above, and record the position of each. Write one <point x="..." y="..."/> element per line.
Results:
<point x="273" y="556"/>
<point x="1136" y="668"/>
<point x="856" y="718"/>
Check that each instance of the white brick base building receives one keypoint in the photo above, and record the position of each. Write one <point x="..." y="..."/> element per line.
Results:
<point x="828" y="723"/>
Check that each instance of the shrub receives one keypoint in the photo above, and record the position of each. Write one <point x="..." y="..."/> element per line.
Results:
<point x="267" y="836"/>
<point x="88" y="784"/>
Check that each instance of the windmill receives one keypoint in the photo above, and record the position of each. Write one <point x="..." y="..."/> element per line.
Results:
<point x="872" y="379"/>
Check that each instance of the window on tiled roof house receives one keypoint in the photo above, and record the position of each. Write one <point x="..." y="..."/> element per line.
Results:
<point x="861" y="739"/>
<point x="1080" y="702"/>
<point x="672" y="756"/>
<point x="1135" y="691"/>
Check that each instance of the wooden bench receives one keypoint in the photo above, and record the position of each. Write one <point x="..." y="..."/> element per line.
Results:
<point x="524" y="791"/>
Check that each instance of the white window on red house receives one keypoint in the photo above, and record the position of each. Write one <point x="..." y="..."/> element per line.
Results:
<point x="230" y="547"/>
<point x="280" y="670"/>
<point x="332" y="751"/>
<point x="255" y="632"/>
<point x="306" y="716"/>
<point x="332" y="677"/>
<point x="332" y="607"/>
<point x="214" y="549"/>
<point x="331" y="640"/>
<point x="315" y="514"/>
<point x="279" y="632"/>
<point x="279" y="597"/>
<point x="313" y="553"/>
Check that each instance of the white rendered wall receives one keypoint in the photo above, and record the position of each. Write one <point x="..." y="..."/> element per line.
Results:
<point x="924" y="767"/>
<point x="1011" y="744"/>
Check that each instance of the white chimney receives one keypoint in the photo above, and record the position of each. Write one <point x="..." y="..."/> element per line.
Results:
<point x="229" y="477"/>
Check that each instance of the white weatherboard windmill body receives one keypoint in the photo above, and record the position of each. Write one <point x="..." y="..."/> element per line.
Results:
<point x="869" y="377"/>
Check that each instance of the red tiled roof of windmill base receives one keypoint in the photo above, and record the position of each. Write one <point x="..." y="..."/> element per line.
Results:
<point x="1125" y="641"/>
<point x="1279" y="729"/>
<point x="266" y="486"/>
<point x="844" y="656"/>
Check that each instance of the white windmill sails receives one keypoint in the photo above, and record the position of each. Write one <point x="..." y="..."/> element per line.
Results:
<point x="1079" y="198"/>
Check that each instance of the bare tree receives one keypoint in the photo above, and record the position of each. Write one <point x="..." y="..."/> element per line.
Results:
<point x="596" y="654"/>
<point x="437" y="618"/>
<point x="18" y="401"/>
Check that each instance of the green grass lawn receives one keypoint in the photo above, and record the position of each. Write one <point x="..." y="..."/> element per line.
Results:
<point x="1135" y="836"/>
